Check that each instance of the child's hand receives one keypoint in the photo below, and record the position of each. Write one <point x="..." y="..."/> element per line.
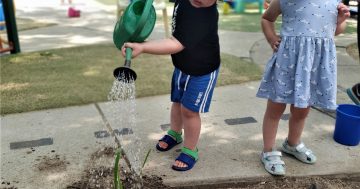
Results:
<point x="343" y="13"/>
<point x="137" y="49"/>
<point x="275" y="42"/>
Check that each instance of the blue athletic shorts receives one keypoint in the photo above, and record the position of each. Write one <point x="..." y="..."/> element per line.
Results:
<point x="193" y="92"/>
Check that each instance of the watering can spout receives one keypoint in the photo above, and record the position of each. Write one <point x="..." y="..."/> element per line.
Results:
<point x="125" y="73"/>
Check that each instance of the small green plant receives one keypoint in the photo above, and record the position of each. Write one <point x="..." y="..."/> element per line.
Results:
<point x="146" y="157"/>
<point x="117" y="181"/>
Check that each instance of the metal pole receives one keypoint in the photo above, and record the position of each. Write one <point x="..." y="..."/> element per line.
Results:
<point x="10" y="20"/>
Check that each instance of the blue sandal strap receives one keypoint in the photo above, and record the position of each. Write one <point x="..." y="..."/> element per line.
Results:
<point x="192" y="153"/>
<point x="170" y="141"/>
<point x="186" y="159"/>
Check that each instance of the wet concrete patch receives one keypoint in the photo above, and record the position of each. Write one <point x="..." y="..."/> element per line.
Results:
<point x="31" y="143"/>
<point x="238" y="121"/>
<point x="105" y="134"/>
<point x="124" y="131"/>
<point x="101" y="134"/>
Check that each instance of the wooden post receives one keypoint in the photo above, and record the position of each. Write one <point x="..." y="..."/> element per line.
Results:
<point x="10" y="20"/>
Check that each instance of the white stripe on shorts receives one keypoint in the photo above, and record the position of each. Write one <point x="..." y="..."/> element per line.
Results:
<point x="187" y="80"/>
<point x="179" y="80"/>
<point x="208" y="89"/>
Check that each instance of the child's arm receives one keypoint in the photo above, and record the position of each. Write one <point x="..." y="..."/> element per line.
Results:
<point x="268" y="26"/>
<point x="164" y="46"/>
<point x="343" y="14"/>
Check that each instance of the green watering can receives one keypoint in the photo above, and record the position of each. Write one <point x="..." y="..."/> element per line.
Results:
<point x="135" y="25"/>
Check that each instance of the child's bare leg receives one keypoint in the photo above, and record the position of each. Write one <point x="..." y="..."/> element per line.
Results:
<point x="296" y="124"/>
<point x="192" y="127"/>
<point x="175" y="121"/>
<point x="270" y="123"/>
<point x="293" y="144"/>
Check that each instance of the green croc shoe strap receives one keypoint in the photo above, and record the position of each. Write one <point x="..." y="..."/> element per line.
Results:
<point x="192" y="153"/>
<point x="176" y="135"/>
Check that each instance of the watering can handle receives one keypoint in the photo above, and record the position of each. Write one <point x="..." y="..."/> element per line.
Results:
<point x="143" y="18"/>
<point x="128" y="54"/>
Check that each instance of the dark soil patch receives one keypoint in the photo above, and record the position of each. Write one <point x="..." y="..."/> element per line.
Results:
<point x="97" y="177"/>
<point x="55" y="163"/>
<point x="103" y="177"/>
<point x="106" y="152"/>
<point x="147" y="182"/>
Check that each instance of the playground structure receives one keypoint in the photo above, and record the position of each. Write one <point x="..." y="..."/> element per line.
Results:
<point x="239" y="6"/>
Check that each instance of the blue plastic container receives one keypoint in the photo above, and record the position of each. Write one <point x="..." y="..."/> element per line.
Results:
<point x="347" y="126"/>
<point x="2" y="17"/>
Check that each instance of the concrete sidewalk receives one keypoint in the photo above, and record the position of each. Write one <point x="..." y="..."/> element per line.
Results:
<point x="55" y="148"/>
<point x="230" y="143"/>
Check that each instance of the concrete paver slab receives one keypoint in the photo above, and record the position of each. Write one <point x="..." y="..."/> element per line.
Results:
<point x="55" y="165"/>
<point x="345" y="40"/>
<point x="231" y="152"/>
<point x="238" y="43"/>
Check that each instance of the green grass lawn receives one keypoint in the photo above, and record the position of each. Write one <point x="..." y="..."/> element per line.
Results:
<point x="83" y="75"/>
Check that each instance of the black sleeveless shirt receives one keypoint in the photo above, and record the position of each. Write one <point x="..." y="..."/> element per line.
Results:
<point x="197" y="30"/>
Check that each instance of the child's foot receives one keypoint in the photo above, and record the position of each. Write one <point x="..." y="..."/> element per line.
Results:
<point x="273" y="163"/>
<point x="169" y="141"/>
<point x="186" y="159"/>
<point x="300" y="152"/>
<point x="354" y="93"/>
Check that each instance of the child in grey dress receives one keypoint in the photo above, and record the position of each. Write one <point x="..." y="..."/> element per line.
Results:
<point x="301" y="72"/>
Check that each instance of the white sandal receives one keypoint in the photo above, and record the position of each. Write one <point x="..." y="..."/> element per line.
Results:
<point x="273" y="163"/>
<point x="300" y="152"/>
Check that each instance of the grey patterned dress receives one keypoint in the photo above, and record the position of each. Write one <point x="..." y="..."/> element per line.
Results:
<point x="303" y="70"/>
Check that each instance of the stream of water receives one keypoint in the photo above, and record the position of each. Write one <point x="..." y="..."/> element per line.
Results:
<point x="122" y="98"/>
